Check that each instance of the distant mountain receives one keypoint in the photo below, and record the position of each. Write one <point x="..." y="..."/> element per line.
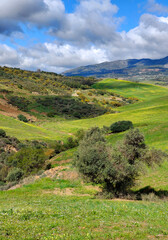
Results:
<point x="137" y="69"/>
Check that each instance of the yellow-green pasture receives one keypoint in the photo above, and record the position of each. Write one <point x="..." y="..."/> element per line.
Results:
<point x="150" y="114"/>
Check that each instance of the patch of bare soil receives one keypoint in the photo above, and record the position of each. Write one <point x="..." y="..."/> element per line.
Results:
<point x="9" y="110"/>
<point x="25" y="181"/>
<point x="55" y="172"/>
<point x="68" y="175"/>
<point x="97" y="188"/>
<point x="66" y="192"/>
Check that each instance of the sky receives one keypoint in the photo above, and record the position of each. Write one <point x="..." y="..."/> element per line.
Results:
<point x="58" y="35"/>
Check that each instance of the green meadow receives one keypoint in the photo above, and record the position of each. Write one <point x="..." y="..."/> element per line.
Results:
<point x="35" y="211"/>
<point x="149" y="114"/>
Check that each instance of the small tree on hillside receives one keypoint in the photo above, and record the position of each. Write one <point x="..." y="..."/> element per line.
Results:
<point x="92" y="155"/>
<point x="117" y="168"/>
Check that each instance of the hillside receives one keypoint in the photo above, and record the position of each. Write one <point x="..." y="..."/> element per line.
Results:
<point x="48" y="97"/>
<point x="57" y="203"/>
<point x="132" y="69"/>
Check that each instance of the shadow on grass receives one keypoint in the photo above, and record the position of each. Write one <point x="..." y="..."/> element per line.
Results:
<point x="161" y="194"/>
<point x="145" y="194"/>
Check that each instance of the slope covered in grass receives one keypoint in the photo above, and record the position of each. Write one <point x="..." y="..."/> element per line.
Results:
<point x="149" y="114"/>
<point x="34" y="212"/>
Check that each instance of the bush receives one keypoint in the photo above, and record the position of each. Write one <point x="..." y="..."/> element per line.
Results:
<point x="14" y="175"/>
<point x="121" y="126"/>
<point x="22" y="118"/>
<point x="29" y="159"/>
<point x="116" y="168"/>
<point x="71" y="143"/>
<point x="51" y="114"/>
<point x="2" y="133"/>
<point x="80" y="134"/>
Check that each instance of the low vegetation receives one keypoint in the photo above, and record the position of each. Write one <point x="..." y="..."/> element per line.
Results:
<point x="18" y="159"/>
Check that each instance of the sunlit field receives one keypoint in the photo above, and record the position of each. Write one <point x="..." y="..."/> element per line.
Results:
<point x="36" y="211"/>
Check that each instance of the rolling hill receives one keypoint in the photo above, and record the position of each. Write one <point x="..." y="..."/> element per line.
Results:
<point x="57" y="203"/>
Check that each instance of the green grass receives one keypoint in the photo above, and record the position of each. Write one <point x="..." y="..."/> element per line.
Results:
<point x="131" y="89"/>
<point x="33" y="213"/>
<point x="22" y="131"/>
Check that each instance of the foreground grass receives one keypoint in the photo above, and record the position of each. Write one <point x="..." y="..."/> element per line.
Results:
<point x="33" y="213"/>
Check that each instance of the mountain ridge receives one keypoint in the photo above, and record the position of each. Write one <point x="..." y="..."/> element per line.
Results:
<point x="128" y="69"/>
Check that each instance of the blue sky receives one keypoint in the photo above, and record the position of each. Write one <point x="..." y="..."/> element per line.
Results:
<point x="56" y="35"/>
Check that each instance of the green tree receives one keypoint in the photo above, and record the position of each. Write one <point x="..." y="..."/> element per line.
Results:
<point x="117" y="168"/>
<point x="92" y="155"/>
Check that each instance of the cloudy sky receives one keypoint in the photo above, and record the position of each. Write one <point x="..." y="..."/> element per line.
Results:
<point x="56" y="35"/>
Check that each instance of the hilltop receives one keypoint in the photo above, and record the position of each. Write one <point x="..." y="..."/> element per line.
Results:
<point x="133" y="69"/>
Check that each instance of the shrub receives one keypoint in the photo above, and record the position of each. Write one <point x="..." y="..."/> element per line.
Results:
<point x="51" y="114"/>
<point x="71" y="143"/>
<point x="3" y="172"/>
<point x="20" y="102"/>
<point x="28" y="159"/>
<point x="2" y="133"/>
<point x="22" y="118"/>
<point x="14" y="175"/>
<point x="121" y="126"/>
<point x="59" y="147"/>
<point x="80" y="134"/>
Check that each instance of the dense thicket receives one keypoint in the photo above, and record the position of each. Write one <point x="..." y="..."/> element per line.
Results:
<point x="58" y="105"/>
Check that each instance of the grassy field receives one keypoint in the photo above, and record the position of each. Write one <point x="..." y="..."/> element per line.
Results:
<point x="35" y="211"/>
<point x="149" y="114"/>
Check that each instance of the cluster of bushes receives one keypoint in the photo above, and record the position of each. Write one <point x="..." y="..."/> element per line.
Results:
<point x="68" y="106"/>
<point x="20" y="102"/>
<point x="18" y="159"/>
<point x="71" y="142"/>
<point x="28" y="159"/>
<point x="115" y="167"/>
<point x="60" y="146"/>
<point x="38" y="81"/>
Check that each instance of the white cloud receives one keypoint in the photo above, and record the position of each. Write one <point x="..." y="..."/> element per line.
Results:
<point x="56" y="57"/>
<point x="92" y="22"/>
<point x="84" y="37"/>
<point x="42" y="13"/>
<point x="8" y="56"/>
<point x="154" y="7"/>
<point x="149" y="38"/>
